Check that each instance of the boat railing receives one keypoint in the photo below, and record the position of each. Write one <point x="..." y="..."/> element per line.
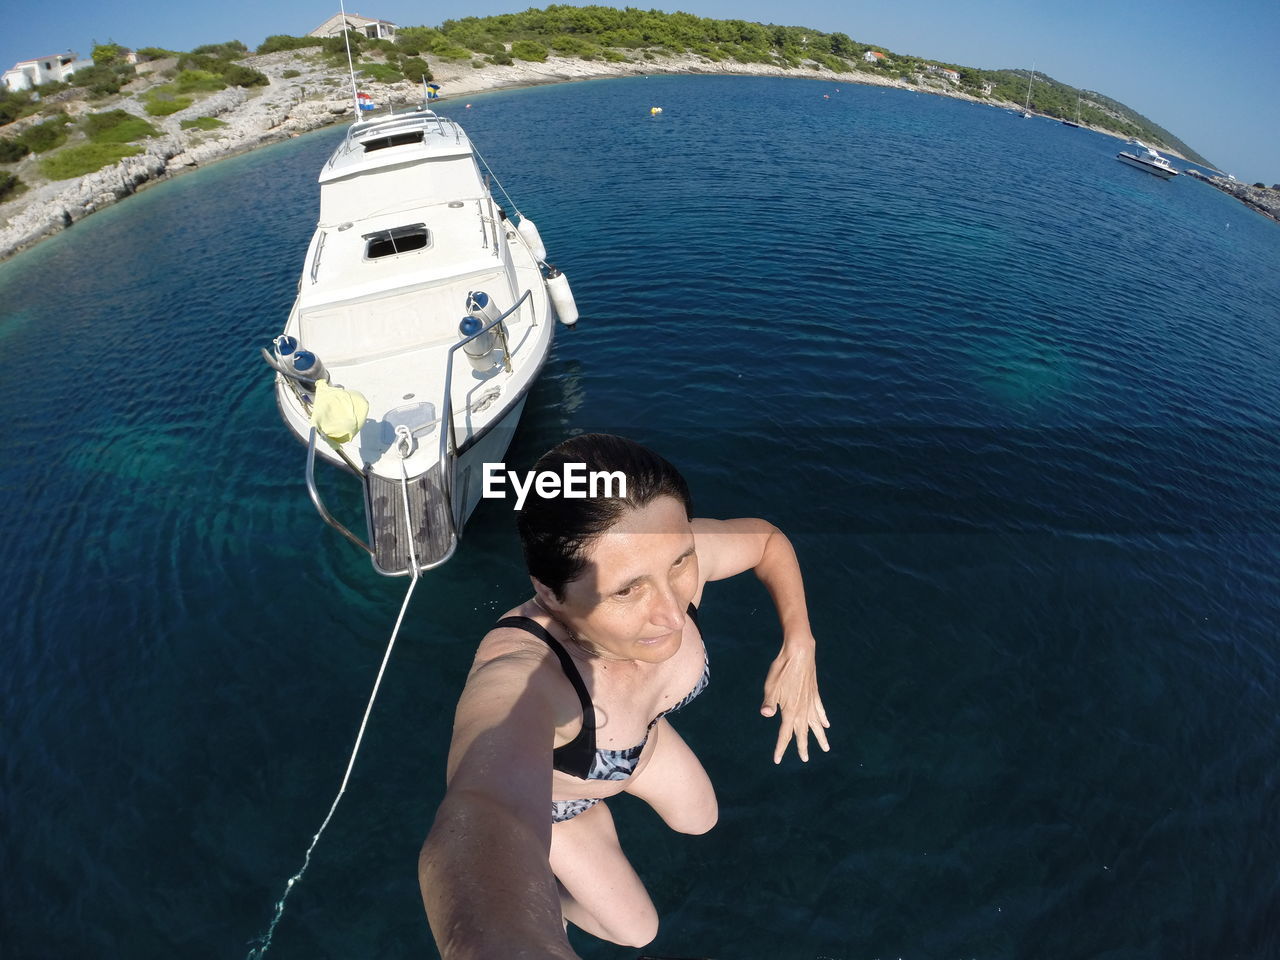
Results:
<point x="300" y="387"/>
<point x="448" y="433"/>
<point x="448" y="457"/>
<point x="419" y="117"/>
<point x="314" y="492"/>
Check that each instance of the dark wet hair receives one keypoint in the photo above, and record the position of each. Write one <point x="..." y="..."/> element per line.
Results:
<point x="556" y="531"/>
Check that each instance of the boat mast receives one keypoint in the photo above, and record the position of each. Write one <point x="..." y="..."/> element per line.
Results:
<point x="1027" y="108"/>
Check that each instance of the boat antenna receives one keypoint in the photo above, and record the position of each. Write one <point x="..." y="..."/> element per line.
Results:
<point x="351" y="68"/>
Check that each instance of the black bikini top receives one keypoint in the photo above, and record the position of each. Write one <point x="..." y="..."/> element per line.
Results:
<point x="579" y="757"/>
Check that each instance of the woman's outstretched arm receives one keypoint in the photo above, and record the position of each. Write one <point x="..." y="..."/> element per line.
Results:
<point x="486" y="881"/>
<point x="729" y="547"/>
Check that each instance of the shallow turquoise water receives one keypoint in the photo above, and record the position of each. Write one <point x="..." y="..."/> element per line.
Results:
<point x="1014" y="401"/>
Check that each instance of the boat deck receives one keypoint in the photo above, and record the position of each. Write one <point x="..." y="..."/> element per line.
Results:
<point x="433" y="538"/>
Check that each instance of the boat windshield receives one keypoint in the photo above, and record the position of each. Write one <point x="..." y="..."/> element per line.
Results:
<point x="395" y="140"/>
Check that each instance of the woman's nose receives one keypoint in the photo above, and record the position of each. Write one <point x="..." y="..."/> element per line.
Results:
<point x="667" y="611"/>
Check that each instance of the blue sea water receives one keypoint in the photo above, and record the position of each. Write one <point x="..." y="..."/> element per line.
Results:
<point x="1014" y="402"/>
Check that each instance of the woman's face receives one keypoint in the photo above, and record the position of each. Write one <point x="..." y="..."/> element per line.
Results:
<point x="631" y="600"/>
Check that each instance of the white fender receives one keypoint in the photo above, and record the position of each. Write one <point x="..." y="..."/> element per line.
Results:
<point x="562" y="297"/>
<point x="531" y="237"/>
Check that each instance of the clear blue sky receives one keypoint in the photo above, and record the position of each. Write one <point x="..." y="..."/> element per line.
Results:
<point x="1207" y="71"/>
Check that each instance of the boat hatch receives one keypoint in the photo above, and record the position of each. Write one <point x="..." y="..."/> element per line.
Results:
<point x="394" y="140"/>
<point x="386" y="243"/>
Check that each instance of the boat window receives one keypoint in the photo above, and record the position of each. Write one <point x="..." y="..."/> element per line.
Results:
<point x="386" y="243"/>
<point x="394" y="140"/>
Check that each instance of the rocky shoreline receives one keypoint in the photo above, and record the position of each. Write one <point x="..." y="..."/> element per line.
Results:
<point x="314" y="97"/>
<point x="1265" y="200"/>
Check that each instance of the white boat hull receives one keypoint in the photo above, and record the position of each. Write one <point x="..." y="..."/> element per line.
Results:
<point x="1164" y="173"/>
<point x="407" y="232"/>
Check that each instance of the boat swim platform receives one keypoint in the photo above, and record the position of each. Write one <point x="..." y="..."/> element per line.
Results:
<point x="433" y="536"/>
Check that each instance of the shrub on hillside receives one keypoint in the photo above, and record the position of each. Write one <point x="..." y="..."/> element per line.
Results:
<point x="282" y="41"/>
<point x="835" y="64"/>
<point x="15" y="104"/>
<point x="380" y="72"/>
<point x="336" y="45"/>
<point x="10" y="186"/>
<point x="452" y="52"/>
<point x="202" y="62"/>
<point x="202" y="123"/>
<point x="231" y="50"/>
<point x="290" y="74"/>
<point x="503" y="58"/>
<point x="45" y="136"/>
<point x="163" y="104"/>
<point x="11" y="151"/>
<point x="570" y="46"/>
<point x="103" y="80"/>
<point x="238" y="75"/>
<point x="86" y="158"/>
<point x="414" y="40"/>
<point x="105" y="54"/>
<point x="116" y="126"/>
<point x="155" y="53"/>
<point x="196" y="81"/>
<point x="415" y="69"/>
<point x="528" y="50"/>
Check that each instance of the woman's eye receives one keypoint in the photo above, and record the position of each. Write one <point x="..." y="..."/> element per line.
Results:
<point x="624" y="592"/>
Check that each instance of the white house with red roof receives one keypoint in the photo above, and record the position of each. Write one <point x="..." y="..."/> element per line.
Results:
<point x="26" y="74"/>
<point x="371" y="28"/>
<point x="873" y="56"/>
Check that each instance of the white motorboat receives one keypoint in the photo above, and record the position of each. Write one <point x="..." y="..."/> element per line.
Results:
<point x="1149" y="160"/>
<point x="423" y="317"/>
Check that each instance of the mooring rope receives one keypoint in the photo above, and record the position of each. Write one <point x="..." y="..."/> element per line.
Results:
<point x="264" y="942"/>
<point x="489" y="169"/>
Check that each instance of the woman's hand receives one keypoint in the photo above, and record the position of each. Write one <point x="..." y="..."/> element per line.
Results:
<point x="792" y="684"/>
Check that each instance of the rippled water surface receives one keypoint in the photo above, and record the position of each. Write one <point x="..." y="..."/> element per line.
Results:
<point x="1015" y="403"/>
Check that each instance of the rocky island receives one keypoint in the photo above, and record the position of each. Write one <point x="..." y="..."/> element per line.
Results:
<point x="82" y="148"/>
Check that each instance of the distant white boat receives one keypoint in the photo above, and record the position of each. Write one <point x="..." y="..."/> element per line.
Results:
<point x="422" y="320"/>
<point x="1150" y="161"/>
<point x="1026" y="110"/>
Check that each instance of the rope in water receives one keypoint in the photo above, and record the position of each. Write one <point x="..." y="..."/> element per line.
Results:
<point x="264" y="942"/>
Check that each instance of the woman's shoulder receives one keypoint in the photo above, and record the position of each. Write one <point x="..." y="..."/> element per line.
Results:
<point x="517" y="633"/>
<point x="514" y="677"/>
<point x="515" y="647"/>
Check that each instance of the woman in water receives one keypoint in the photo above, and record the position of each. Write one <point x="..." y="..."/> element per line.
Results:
<point x="567" y="704"/>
